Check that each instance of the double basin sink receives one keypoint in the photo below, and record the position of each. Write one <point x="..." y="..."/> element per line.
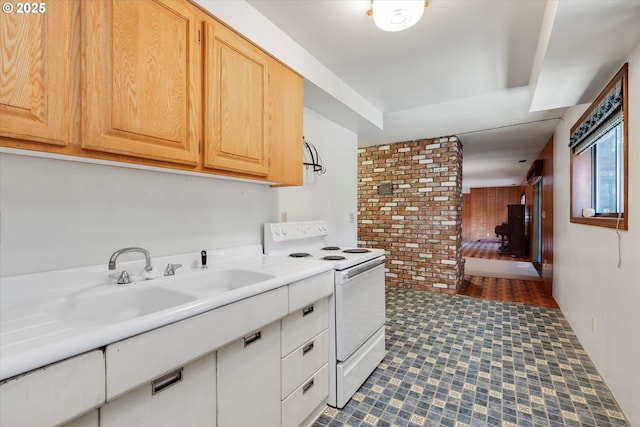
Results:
<point x="107" y="304"/>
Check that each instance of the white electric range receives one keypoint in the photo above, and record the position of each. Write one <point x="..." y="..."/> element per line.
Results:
<point x="357" y="307"/>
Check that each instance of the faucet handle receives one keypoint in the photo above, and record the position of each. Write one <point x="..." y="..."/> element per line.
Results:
<point x="170" y="270"/>
<point x="203" y="259"/>
<point x="123" y="277"/>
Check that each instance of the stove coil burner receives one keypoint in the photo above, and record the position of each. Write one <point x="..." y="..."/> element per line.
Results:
<point x="356" y="251"/>
<point x="331" y="248"/>
<point x="299" y="255"/>
<point x="334" y="258"/>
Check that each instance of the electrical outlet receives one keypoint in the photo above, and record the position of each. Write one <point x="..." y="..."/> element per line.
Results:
<point x="352" y="218"/>
<point x="283" y="217"/>
<point x="593" y="324"/>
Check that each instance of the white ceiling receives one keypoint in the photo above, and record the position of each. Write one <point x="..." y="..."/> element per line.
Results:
<point x="499" y="74"/>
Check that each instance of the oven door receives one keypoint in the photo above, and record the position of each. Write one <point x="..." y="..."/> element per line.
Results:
<point x="359" y="305"/>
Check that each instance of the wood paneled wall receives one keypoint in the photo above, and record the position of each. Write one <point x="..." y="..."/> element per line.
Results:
<point x="546" y="155"/>
<point x="484" y="208"/>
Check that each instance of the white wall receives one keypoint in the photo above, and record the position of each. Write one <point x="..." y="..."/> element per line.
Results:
<point x="333" y="195"/>
<point x="600" y="300"/>
<point x="61" y="214"/>
<point x="57" y="214"/>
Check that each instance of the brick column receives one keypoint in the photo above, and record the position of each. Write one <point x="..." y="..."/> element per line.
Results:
<point x="410" y="204"/>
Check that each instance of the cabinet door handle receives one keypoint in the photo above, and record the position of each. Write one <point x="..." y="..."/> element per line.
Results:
<point x="307" y="310"/>
<point x="307" y="386"/>
<point x="252" y="338"/>
<point x="166" y="381"/>
<point x="307" y="348"/>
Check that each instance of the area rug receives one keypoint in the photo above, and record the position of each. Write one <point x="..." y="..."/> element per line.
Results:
<point x="500" y="268"/>
<point x="490" y="240"/>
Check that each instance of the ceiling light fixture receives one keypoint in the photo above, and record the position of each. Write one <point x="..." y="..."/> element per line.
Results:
<point x="397" y="15"/>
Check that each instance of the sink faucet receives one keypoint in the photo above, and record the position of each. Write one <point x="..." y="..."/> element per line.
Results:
<point x="116" y="254"/>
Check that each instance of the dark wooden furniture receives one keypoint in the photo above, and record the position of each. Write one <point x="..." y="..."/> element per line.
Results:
<point x="515" y="232"/>
<point x="503" y="232"/>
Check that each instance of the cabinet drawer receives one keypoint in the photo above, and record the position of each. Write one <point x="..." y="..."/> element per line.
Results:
<point x="306" y="291"/>
<point x="304" y="324"/>
<point x="304" y="361"/>
<point x="142" y="358"/>
<point x="184" y="397"/>
<point x="312" y="393"/>
<point x="54" y="394"/>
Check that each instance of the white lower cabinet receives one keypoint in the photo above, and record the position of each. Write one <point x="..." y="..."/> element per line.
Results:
<point x="183" y="397"/>
<point x="307" y="401"/>
<point x="249" y="380"/>
<point x="299" y="365"/>
<point x="303" y="324"/>
<point x="92" y="419"/>
<point x="305" y="354"/>
<point x="138" y="360"/>
<point x="219" y="368"/>
<point x="54" y="394"/>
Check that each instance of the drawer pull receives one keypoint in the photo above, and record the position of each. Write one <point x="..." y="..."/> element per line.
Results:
<point x="307" y="310"/>
<point x="307" y="386"/>
<point x="307" y="348"/>
<point x="252" y="338"/>
<point x="166" y="381"/>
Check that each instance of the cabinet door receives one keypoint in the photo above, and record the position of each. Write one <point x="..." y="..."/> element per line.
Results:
<point x="35" y="77"/>
<point x="183" y="397"/>
<point x="235" y="101"/>
<point x="92" y="419"/>
<point x="285" y="124"/>
<point x="141" y="79"/>
<point x="249" y="380"/>
<point x="54" y="394"/>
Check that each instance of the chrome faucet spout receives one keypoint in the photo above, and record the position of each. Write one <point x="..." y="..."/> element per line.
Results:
<point x="116" y="254"/>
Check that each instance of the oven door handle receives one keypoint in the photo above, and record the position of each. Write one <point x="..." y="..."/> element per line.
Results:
<point x="364" y="268"/>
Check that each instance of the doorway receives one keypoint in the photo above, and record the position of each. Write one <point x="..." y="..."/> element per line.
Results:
<point x="536" y="241"/>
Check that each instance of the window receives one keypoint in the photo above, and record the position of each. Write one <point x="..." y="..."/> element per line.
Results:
<point x="598" y="142"/>
<point x="608" y="171"/>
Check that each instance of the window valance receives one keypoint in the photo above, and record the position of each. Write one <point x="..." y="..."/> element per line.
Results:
<point x="607" y="114"/>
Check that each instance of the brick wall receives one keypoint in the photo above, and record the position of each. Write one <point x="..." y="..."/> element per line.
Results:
<point x="410" y="204"/>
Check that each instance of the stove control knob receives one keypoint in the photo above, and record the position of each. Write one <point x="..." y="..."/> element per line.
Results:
<point x="277" y="232"/>
<point x="284" y="231"/>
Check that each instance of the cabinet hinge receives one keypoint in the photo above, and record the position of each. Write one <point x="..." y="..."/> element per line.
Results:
<point x="198" y="36"/>
<point x="199" y="147"/>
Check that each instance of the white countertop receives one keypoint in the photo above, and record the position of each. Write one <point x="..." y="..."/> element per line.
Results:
<point x="30" y="338"/>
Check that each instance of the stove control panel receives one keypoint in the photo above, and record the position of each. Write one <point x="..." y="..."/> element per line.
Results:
<point x="283" y="231"/>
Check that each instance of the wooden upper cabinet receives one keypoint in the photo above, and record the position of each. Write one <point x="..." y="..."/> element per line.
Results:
<point x="285" y="124"/>
<point x="155" y="82"/>
<point x="35" y="81"/>
<point x="141" y="79"/>
<point x="235" y="85"/>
